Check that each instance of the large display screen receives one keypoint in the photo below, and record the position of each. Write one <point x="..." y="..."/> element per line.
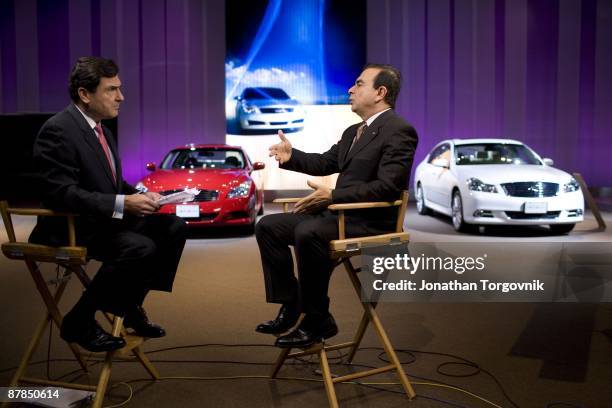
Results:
<point x="288" y="66"/>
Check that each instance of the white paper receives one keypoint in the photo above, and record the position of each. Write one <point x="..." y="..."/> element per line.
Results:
<point x="184" y="196"/>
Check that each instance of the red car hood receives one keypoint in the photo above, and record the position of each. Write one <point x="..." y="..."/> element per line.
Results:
<point x="202" y="179"/>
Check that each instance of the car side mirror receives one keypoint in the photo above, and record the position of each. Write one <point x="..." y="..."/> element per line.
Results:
<point x="259" y="166"/>
<point x="548" y="162"/>
<point x="151" y="166"/>
<point x="441" y="163"/>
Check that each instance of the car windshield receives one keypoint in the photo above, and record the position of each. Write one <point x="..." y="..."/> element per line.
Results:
<point x="204" y="158"/>
<point x="494" y="153"/>
<point x="264" y="93"/>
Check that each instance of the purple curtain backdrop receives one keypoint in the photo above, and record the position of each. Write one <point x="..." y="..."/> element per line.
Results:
<point x="535" y="70"/>
<point x="171" y="58"/>
<point x="539" y="71"/>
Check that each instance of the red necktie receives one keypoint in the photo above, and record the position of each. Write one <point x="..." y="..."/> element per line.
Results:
<point x="107" y="153"/>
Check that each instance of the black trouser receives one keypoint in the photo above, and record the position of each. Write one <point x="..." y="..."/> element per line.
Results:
<point x="310" y="236"/>
<point x="137" y="255"/>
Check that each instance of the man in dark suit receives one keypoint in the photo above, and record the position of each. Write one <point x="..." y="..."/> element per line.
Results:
<point x="80" y="172"/>
<point x="373" y="158"/>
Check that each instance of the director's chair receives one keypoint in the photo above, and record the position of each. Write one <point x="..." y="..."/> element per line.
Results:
<point x="71" y="259"/>
<point x="341" y="251"/>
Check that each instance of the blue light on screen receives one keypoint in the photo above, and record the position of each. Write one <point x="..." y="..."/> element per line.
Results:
<point x="308" y="48"/>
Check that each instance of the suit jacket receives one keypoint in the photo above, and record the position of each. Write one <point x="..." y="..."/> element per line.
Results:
<point x="377" y="168"/>
<point x="75" y="177"/>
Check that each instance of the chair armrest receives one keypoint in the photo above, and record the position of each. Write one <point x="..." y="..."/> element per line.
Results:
<point x="7" y="212"/>
<point x="358" y="206"/>
<point x="39" y="211"/>
<point x="286" y="200"/>
<point x="366" y="205"/>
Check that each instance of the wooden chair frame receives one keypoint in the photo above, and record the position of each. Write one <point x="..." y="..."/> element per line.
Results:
<point x="72" y="259"/>
<point x="341" y="250"/>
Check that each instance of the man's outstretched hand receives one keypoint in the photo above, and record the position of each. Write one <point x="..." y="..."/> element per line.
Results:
<point x="281" y="151"/>
<point x="316" y="201"/>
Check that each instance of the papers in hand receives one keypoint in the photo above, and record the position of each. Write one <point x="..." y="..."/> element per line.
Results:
<point x="184" y="196"/>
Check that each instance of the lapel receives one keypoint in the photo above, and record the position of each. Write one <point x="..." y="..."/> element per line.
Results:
<point x="370" y="134"/>
<point x="90" y="137"/>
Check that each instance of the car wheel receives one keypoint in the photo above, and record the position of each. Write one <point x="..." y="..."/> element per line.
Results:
<point x="561" y="229"/>
<point x="420" y="201"/>
<point x="457" y="214"/>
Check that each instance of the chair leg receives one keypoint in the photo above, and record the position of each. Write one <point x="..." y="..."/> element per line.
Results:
<point x="25" y="360"/>
<point x="358" y="337"/>
<point x="390" y="351"/>
<point x="327" y="378"/>
<point x="51" y="302"/>
<point x="380" y="331"/>
<point x="146" y="363"/>
<point x="279" y="362"/>
<point x="106" y="369"/>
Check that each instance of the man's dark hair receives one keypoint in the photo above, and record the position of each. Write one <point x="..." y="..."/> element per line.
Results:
<point x="87" y="73"/>
<point x="390" y="78"/>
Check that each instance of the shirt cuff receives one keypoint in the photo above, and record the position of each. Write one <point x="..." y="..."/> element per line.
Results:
<point x="119" y="206"/>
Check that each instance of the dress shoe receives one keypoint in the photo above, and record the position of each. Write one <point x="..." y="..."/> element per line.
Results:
<point x="88" y="334"/>
<point x="309" y="332"/>
<point x="286" y="319"/>
<point x="138" y="321"/>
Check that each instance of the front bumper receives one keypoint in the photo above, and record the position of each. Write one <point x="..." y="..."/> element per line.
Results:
<point x="496" y="208"/>
<point x="226" y="212"/>
<point x="271" y="121"/>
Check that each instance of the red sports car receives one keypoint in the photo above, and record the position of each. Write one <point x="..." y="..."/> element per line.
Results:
<point x="228" y="194"/>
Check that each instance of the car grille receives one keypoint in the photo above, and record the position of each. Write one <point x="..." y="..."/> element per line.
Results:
<point x="519" y="215"/>
<point x="531" y="189"/>
<point x="203" y="217"/>
<point x="205" y="195"/>
<point x="275" y="110"/>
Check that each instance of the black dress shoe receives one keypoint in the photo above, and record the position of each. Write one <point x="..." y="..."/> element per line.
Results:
<point x="286" y="319"/>
<point x="89" y="335"/>
<point x="309" y="332"/>
<point x="138" y="321"/>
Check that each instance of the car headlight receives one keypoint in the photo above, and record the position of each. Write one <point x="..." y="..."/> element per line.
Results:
<point x="141" y="187"/>
<point x="241" y="190"/>
<point x="249" y="109"/>
<point x="571" y="186"/>
<point x="475" y="184"/>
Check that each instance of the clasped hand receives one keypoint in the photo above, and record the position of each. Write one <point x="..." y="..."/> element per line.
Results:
<point x="142" y="204"/>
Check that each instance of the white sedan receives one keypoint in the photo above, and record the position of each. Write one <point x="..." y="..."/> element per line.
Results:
<point x="496" y="181"/>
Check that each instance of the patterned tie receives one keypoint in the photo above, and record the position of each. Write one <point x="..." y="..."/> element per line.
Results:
<point x="360" y="131"/>
<point x="107" y="153"/>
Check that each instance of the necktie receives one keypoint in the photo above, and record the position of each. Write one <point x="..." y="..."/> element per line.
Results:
<point x="107" y="153"/>
<point x="360" y="131"/>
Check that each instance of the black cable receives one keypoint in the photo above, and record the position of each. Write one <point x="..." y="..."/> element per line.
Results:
<point x="473" y="365"/>
<point x="477" y="371"/>
<point x="337" y="360"/>
<point x="463" y="361"/>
